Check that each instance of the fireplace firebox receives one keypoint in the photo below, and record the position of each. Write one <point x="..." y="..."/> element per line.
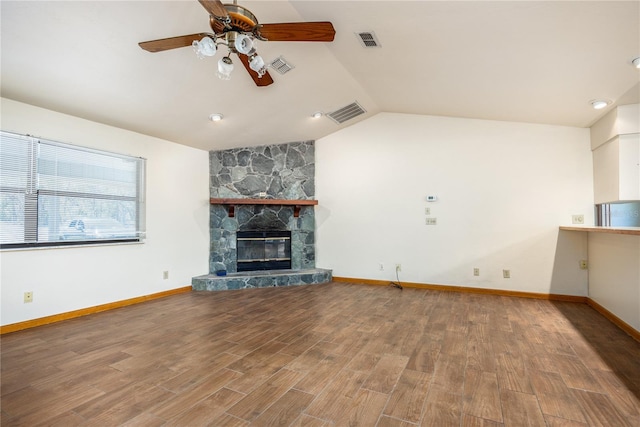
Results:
<point x="263" y="250"/>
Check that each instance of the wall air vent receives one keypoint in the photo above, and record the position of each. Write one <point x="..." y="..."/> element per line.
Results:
<point x="368" y="39"/>
<point x="281" y="65"/>
<point x="346" y="113"/>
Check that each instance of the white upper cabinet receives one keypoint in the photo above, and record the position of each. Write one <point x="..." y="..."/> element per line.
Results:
<point x="615" y="141"/>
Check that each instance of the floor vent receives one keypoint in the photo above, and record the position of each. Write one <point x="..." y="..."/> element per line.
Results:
<point x="346" y="113"/>
<point x="281" y="65"/>
<point x="368" y="39"/>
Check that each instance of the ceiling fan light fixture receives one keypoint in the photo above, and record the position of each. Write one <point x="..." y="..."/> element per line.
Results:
<point x="216" y="117"/>
<point x="238" y="29"/>
<point x="204" y="47"/>
<point x="256" y="63"/>
<point x="225" y="67"/>
<point x="243" y="44"/>
<point x="599" y="104"/>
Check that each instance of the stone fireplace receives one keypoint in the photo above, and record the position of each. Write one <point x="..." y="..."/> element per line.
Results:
<point x="285" y="171"/>
<point x="267" y="180"/>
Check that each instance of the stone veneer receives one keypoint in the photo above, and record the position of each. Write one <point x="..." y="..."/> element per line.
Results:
<point x="261" y="279"/>
<point x="284" y="171"/>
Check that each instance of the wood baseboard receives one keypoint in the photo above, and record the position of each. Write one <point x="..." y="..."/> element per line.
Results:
<point x="89" y="310"/>
<point x="498" y="292"/>
<point x="615" y="319"/>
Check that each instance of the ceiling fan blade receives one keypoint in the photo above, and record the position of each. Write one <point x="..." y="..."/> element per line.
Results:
<point x="171" y="42"/>
<point x="265" y="80"/>
<point x="298" y="31"/>
<point x="215" y="8"/>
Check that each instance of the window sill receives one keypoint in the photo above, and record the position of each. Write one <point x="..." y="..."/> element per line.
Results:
<point x="69" y="246"/>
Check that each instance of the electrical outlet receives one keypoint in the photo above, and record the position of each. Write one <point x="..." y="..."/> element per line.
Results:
<point x="584" y="265"/>
<point x="506" y="274"/>
<point x="427" y="211"/>
<point x="577" y="219"/>
<point x="165" y="275"/>
<point x="431" y="221"/>
<point x="398" y="267"/>
<point x="28" y="297"/>
<point x="476" y="271"/>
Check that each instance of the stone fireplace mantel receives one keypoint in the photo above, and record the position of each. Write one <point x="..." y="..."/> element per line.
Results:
<point x="231" y="203"/>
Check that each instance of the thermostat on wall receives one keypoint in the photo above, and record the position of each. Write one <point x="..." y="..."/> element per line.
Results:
<point x="432" y="198"/>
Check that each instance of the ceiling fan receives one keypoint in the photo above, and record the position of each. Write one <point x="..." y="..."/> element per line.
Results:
<point x="237" y="28"/>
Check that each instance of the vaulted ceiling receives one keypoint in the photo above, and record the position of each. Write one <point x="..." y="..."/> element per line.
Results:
<point x="526" y="61"/>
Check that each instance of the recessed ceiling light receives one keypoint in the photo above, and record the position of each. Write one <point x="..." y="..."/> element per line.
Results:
<point x="317" y="115"/>
<point x="636" y="62"/>
<point x="599" y="104"/>
<point x="216" y="117"/>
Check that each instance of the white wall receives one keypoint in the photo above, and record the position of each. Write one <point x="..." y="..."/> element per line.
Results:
<point x="614" y="275"/>
<point x="68" y="279"/>
<point x="503" y="189"/>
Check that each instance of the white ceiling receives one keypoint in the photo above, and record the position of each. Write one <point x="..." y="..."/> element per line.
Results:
<point x="535" y="61"/>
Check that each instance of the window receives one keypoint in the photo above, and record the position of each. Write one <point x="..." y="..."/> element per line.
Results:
<point x="54" y="194"/>
<point x="621" y="214"/>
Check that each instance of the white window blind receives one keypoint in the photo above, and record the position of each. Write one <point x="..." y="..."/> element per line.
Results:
<point x="58" y="194"/>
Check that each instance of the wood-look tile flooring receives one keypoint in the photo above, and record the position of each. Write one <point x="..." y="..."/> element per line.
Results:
<point x="321" y="355"/>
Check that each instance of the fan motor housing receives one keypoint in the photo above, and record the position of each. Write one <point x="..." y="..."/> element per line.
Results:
<point x="242" y="20"/>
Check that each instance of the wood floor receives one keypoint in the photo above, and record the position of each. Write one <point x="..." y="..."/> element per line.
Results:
<point x="321" y="355"/>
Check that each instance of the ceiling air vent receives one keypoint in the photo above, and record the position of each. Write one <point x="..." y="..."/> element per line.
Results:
<point x="368" y="39"/>
<point x="346" y="113"/>
<point x="281" y="65"/>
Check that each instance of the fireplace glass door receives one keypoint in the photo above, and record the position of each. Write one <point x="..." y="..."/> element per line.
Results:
<point x="263" y="250"/>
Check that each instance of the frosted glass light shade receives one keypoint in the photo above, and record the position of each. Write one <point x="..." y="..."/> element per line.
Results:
<point x="243" y="44"/>
<point x="204" y="47"/>
<point x="225" y="67"/>
<point x="257" y="64"/>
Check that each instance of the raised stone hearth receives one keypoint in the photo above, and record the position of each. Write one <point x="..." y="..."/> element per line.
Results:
<point x="261" y="279"/>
